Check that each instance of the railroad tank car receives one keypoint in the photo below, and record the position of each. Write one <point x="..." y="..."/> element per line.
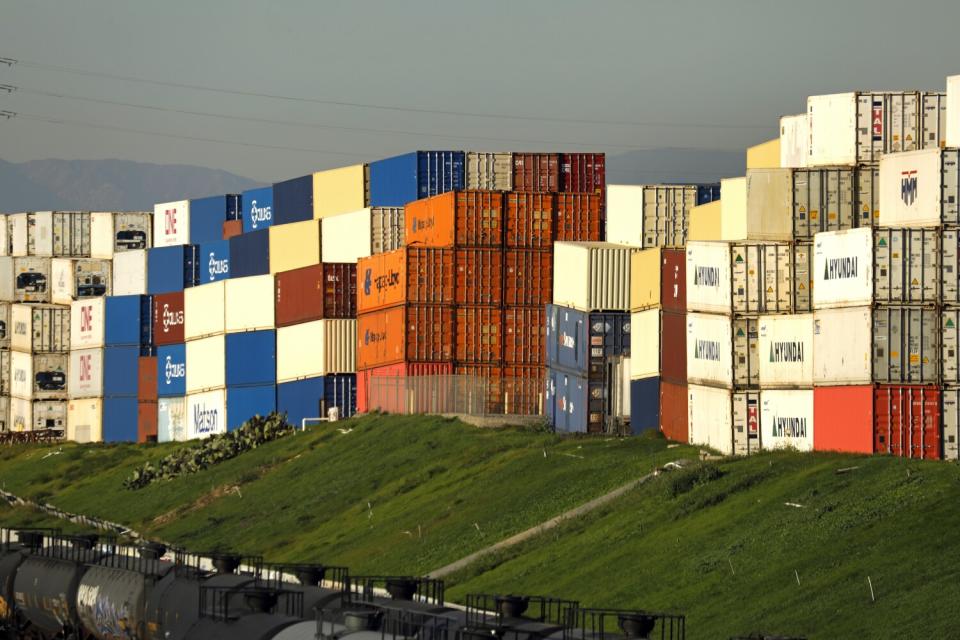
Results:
<point x="12" y="555"/>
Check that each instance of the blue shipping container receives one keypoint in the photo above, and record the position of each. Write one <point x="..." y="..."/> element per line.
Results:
<point x="129" y="321"/>
<point x="172" y="370"/>
<point x="250" y="254"/>
<point x="121" y="372"/>
<point x="396" y="181"/>
<point x="213" y="261"/>
<point x="171" y="269"/>
<point x="207" y="216"/>
<point x="293" y="200"/>
<point x="120" y="420"/>
<point x="581" y="342"/>
<point x="644" y="405"/>
<point x="251" y="358"/>
<point x="569" y="399"/>
<point x="312" y="397"/>
<point x="245" y="402"/>
<point x="340" y="390"/>
<point x="707" y="193"/>
<point x="257" y="209"/>
<point x="234" y="207"/>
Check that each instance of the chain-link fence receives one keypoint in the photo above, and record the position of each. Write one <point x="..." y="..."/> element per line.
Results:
<point x="460" y="393"/>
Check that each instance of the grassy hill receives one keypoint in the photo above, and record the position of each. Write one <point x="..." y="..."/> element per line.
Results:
<point x="782" y="542"/>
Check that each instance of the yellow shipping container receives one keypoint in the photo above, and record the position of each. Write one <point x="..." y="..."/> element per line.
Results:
<point x="705" y="222"/>
<point x="294" y="245"/>
<point x="733" y="209"/>
<point x="340" y="190"/>
<point x="645" y="279"/>
<point x="765" y="155"/>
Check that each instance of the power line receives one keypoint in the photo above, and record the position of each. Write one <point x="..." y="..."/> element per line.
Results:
<point x="382" y="107"/>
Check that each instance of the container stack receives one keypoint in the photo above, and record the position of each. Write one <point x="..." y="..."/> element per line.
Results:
<point x="38" y="365"/>
<point x="654" y="215"/>
<point x="250" y="345"/>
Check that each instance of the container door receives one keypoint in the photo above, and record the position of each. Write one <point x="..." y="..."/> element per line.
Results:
<point x="951" y="423"/>
<point x="746" y="423"/>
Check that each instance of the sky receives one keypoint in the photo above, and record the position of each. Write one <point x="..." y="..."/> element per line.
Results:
<point x="357" y="80"/>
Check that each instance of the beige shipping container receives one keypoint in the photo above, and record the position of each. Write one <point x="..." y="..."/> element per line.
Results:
<point x="645" y="279"/>
<point x="592" y="276"/>
<point x="206" y="364"/>
<point x="31" y="279"/>
<point x="41" y="328"/>
<point x="740" y="278"/>
<point x="4" y="236"/>
<point x="724" y="420"/>
<point x="490" y="171"/>
<point x="733" y="209"/>
<point x="204" y="310"/>
<point x="50" y="414"/>
<point x="295" y="245"/>
<point x="315" y="349"/>
<point x="76" y="279"/>
<point x="249" y="304"/>
<point x="21" y="375"/>
<point x="645" y="344"/>
<point x="386" y="229"/>
<point x="340" y="190"/>
<point x="794" y="141"/>
<point x="765" y="155"/>
<point x="5" y="424"/>
<point x="17" y="232"/>
<point x="705" y="222"/>
<point x="21" y="414"/>
<point x="5" y="327"/>
<point x="85" y="420"/>
<point x="345" y="237"/>
<point x="130" y="273"/>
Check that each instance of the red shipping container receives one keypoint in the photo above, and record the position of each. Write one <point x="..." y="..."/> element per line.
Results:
<point x="673" y="411"/>
<point x="168" y="318"/>
<point x="673" y="347"/>
<point x="414" y="275"/>
<point x="147" y="379"/>
<point x="673" y="280"/>
<point x="579" y="217"/>
<point x="232" y="228"/>
<point x="537" y="172"/>
<point x="316" y="292"/>
<point x="524" y="335"/>
<point x="843" y="419"/>
<point x="411" y="333"/>
<point x="147" y="422"/>
<point x="380" y="395"/>
<point x="529" y="220"/>
<point x="583" y="173"/>
<point x="479" y="277"/>
<point x="528" y="277"/>
<point x="478" y="334"/>
<point x="456" y="219"/>
<point x="907" y="421"/>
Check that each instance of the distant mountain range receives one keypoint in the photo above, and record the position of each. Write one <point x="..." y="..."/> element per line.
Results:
<point x="123" y="185"/>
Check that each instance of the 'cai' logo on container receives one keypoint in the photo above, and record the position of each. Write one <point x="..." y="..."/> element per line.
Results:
<point x="205" y="420"/>
<point x="170" y="216"/>
<point x="173" y="369"/>
<point x="170" y="318"/>
<point x="908" y="187"/>
<point x="259" y="214"/>
<point x="217" y="267"/>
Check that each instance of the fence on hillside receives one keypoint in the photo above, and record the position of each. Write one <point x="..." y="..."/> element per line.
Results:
<point x="456" y="393"/>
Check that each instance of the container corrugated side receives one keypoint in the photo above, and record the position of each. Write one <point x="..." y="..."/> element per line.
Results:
<point x="411" y="333"/>
<point x="491" y="171"/>
<point x="204" y="310"/>
<point x="951" y="422"/>
<point x="529" y="220"/>
<point x="786" y="417"/>
<point x="315" y="349"/>
<point x="249" y="304"/>
<point x="527" y="277"/>
<point x="592" y="276"/>
<point x="387" y="229"/>
<point x="906" y="266"/>
<point x="337" y="191"/>
<point x="295" y="245"/>
<point x="346" y="237"/>
<point x="673" y="411"/>
<point x="907" y="421"/>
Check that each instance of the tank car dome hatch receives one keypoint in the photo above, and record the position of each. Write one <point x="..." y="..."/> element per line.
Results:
<point x="32" y="540"/>
<point x="225" y="562"/>
<point x="152" y="550"/>
<point x="309" y="574"/>
<point x="402" y="588"/>
<point x="511" y="606"/>
<point x="260" y="599"/>
<point x="85" y="541"/>
<point x="636" y="626"/>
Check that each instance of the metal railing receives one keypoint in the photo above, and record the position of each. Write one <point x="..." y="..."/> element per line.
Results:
<point x="456" y="393"/>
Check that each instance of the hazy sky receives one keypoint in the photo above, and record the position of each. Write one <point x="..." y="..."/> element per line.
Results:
<point x="719" y="72"/>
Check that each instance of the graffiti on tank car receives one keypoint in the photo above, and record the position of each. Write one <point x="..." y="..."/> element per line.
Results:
<point x="217" y="267"/>
<point x="259" y="214"/>
<point x="789" y="427"/>
<point x="840" y="268"/>
<point x="908" y="187"/>
<point x="170" y="318"/>
<point x="706" y="276"/>
<point x="786" y="351"/>
<point x="706" y="350"/>
<point x="205" y="420"/>
<point x="173" y="369"/>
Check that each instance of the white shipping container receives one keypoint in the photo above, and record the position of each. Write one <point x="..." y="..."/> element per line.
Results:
<point x="6" y="328"/>
<point x="724" y="420"/>
<point x="101" y="235"/>
<point x="171" y="223"/>
<point x="769" y="208"/>
<point x="316" y="348"/>
<point x="489" y="171"/>
<point x="741" y="278"/>
<point x="171" y="419"/>
<point x="206" y="364"/>
<point x="17" y="230"/>
<point x="21" y="414"/>
<point x="951" y="423"/>
<point x="21" y="375"/>
<point x="645" y="344"/>
<point x="625" y="221"/>
<point x="843" y="268"/>
<point x="920" y="188"/>
<point x="206" y="414"/>
<point x="344" y="237"/>
<point x="31" y="279"/>
<point x="70" y="234"/>
<point x="906" y="266"/>
<point x="794" y="141"/>
<point x="708" y="277"/>
<point x="40" y="328"/>
<point x="828" y="200"/>
<point x="786" y="351"/>
<point x="85" y="420"/>
<point x="843" y="346"/>
<point x="7" y="279"/>
<point x="204" y="310"/>
<point x="249" y="303"/>
<point x="87" y="322"/>
<point x="114" y="233"/>
<point x="592" y="276"/>
<point x="50" y="376"/>
<point x="387" y="229"/>
<point x="733" y="209"/>
<point x="950" y="340"/>
<point x="4" y="237"/>
<point x="5" y="373"/>
<point x="130" y="273"/>
<point x="50" y="414"/>
<point x="81" y="278"/>
<point x="709" y="349"/>
<point x="933" y="120"/>
<point x="5" y="413"/>
<point x="848" y="129"/>
<point x="85" y="379"/>
<point x="787" y="419"/>
<point x="953" y="112"/>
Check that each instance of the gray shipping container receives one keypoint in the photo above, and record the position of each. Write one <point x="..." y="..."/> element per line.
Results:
<point x="50" y="414"/>
<point x="823" y="200"/>
<point x="386" y="228"/>
<point x="60" y="234"/>
<point x="763" y="278"/>
<point x="906" y="265"/>
<point x="4" y="413"/>
<point x="31" y="279"/>
<point x="951" y="422"/>
<point x="666" y="214"/>
<point x="868" y="195"/>
<point x="50" y="376"/>
<point x="746" y="354"/>
<point x="906" y="345"/>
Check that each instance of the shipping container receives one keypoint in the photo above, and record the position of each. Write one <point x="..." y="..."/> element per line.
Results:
<point x="204" y="310"/>
<point x="244" y="403"/>
<point x="579" y="218"/>
<point x="293" y="200"/>
<point x="567" y="401"/>
<point x="5" y="247"/>
<point x="345" y="238"/>
<point x="50" y="414"/>
<point x="120" y="417"/>
<point x="20" y="382"/>
<point x="528" y="220"/>
<point x="479" y="277"/>
<point x="724" y="420"/>
<point x="206" y="414"/>
<point x="769" y="210"/>
<point x="645" y="343"/>
<point x="213" y="260"/>
<point x="765" y="155"/>
<point x="373" y="397"/>
<point x="933" y="120"/>
<point x="294" y="245"/>
<point x="57" y="234"/>
<point x="129" y="275"/>
<point x="786" y="416"/>
<point x="733" y="209"/>
<point x="401" y="179"/>
<point x="6" y="328"/>
<point x="172" y="371"/>
<point x="489" y="171"/>
<point x="524" y="335"/>
<point x="120" y="372"/>
<point x="673" y="347"/>
<point x="457" y="218"/>
<point x="584" y="343"/>
<point x="658" y="278"/>
<point x="950" y="267"/>
<point x="337" y="191"/>
<point x="257" y="209"/>
<point x="705" y="223"/>
<point x="114" y="233"/>
<point x="40" y="328"/>
<point x="31" y="280"/>
<point x="412" y="333"/>
<point x="251" y="358"/>
<point x="171" y="223"/>
<point x="786" y="351"/>
<point x="536" y="172"/>
<point x="84" y="420"/>
<point x="673" y="411"/>
<point x="848" y="129"/>
<point x="206" y="364"/>
<point x="907" y="421"/>
<point x="844" y="419"/>
<point x="592" y="276"/>
<point x="85" y="379"/>
<point x="171" y="269"/>
<point x="950" y="433"/>
<point x="250" y="254"/>
<point x="920" y="188"/>
<point x="316" y="348"/>
<point x="76" y="279"/>
<point x="722" y="351"/>
<point x="953" y="112"/>
<point x="868" y="195"/>
<point x="168" y="318"/>
<point x="129" y="321"/>
<point x="528" y="277"/>
<point x="812" y="200"/>
<point x="207" y="216"/>
<point x="172" y="419"/>
<point x="232" y="228"/>
<point x="248" y="304"/>
<point x="20" y="412"/>
<point x="479" y="335"/>
<point x="87" y="323"/>
<point x="316" y="292"/>
<point x="415" y="275"/>
<point x="906" y="266"/>
<point x="17" y="234"/>
<point x="742" y="278"/>
<point x="794" y="141"/>
<point x="583" y="173"/>
<point x="147" y="418"/>
<point x="950" y="341"/>
<point x="843" y="268"/>
<point x="387" y="229"/>
<point x="147" y="388"/>
<point x="313" y="398"/>
<point x="644" y="404"/>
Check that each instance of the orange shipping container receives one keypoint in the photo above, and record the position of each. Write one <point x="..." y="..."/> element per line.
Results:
<point x="843" y="417"/>
<point x="579" y="217"/>
<point x="673" y="412"/>
<point x="414" y="275"/>
<point x="539" y="172"/>
<point x="478" y="335"/>
<point x="412" y="333"/>
<point x="456" y="218"/>
<point x="528" y="277"/>
<point x="524" y="335"/>
<point x="384" y="397"/>
<point x="529" y="220"/>
<point x="479" y="277"/>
